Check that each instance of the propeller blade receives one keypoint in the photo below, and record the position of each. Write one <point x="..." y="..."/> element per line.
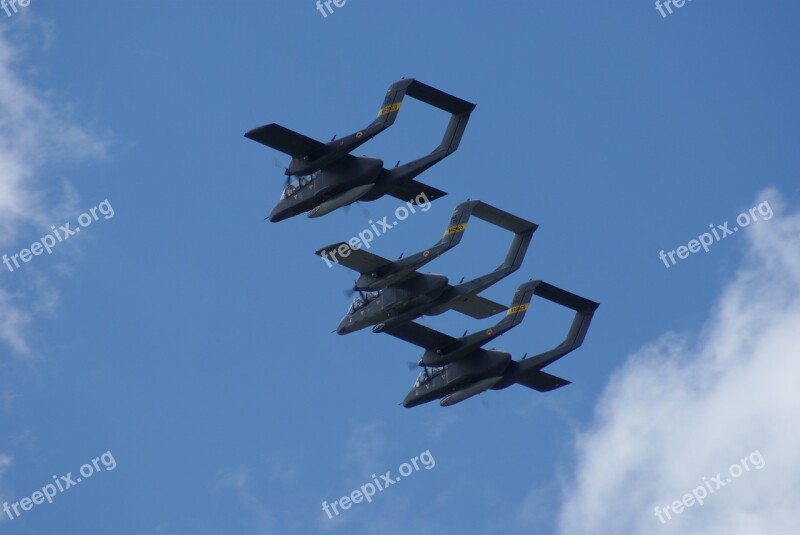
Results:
<point x="277" y="164"/>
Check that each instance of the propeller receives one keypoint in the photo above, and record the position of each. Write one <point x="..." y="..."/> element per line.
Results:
<point x="350" y="292"/>
<point x="277" y="164"/>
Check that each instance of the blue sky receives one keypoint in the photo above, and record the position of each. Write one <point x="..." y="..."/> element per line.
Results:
<point x="193" y="340"/>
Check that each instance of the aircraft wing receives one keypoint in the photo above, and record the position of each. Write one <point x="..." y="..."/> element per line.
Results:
<point x="284" y="140"/>
<point x="410" y="190"/>
<point x="356" y="259"/>
<point x="542" y="381"/>
<point x="477" y="307"/>
<point x="422" y="336"/>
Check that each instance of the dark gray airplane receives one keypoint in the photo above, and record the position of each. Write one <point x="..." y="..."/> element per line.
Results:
<point x="459" y="368"/>
<point x="407" y="294"/>
<point x="322" y="177"/>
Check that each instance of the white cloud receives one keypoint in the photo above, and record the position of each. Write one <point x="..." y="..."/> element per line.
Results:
<point x="686" y="408"/>
<point x="33" y="132"/>
<point x="260" y="516"/>
<point x="366" y="445"/>
<point x="5" y="463"/>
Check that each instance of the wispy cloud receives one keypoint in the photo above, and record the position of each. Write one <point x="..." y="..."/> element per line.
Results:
<point x="366" y="445"/>
<point x="34" y="132"/>
<point x="687" y="407"/>
<point x="5" y="463"/>
<point x="259" y="514"/>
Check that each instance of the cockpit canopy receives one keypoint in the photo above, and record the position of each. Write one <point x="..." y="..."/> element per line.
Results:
<point x="427" y="375"/>
<point x="360" y="302"/>
<point x="296" y="183"/>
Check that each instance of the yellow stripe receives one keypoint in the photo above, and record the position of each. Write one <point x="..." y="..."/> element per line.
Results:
<point x="455" y="228"/>
<point x="514" y="310"/>
<point x="389" y="109"/>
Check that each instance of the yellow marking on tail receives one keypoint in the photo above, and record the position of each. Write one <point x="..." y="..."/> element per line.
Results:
<point x="389" y="109"/>
<point x="518" y="308"/>
<point x="455" y="229"/>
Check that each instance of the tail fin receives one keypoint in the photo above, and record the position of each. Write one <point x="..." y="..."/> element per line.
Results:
<point x="459" y="109"/>
<point x="527" y="372"/>
<point x="584" y="311"/>
<point x="516" y="311"/>
<point x="523" y="230"/>
<point x="523" y="233"/>
<point x="458" y="224"/>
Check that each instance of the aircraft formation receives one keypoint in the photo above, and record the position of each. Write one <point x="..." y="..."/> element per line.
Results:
<point x="393" y="294"/>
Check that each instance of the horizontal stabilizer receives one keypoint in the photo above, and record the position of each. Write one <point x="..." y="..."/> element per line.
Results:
<point x="284" y="140"/>
<point x="438" y="98"/>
